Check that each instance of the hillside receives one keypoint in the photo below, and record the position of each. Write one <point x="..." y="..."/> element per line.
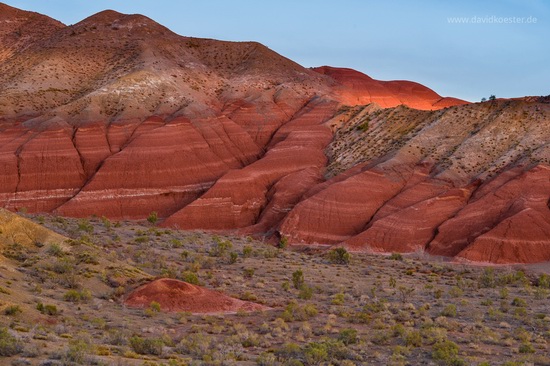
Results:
<point x="117" y="116"/>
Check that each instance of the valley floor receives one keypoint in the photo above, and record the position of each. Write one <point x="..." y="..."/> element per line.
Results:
<point x="63" y="304"/>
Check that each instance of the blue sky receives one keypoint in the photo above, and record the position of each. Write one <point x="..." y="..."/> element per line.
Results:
<point x="386" y="39"/>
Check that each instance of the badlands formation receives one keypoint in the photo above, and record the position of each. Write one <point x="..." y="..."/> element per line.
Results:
<point x="117" y="116"/>
<point x="178" y="296"/>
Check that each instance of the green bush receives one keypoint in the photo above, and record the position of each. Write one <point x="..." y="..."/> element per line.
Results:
<point x="487" y="278"/>
<point x="55" y="250"/>
<point x="12" y="310"/>
<point x="338" y="299"/>
<point x="306" y="292"/>
<point x="9" y="345"/>
<point x="146" y="346"/>
<point x="348" y="336"/>
<point x="289" y="351"/>
<point x="190" y="277"/>
<point x="298" y="278"/>
<point x="47" y="309"/>
<point x="363" y="126"/>
<point x="77" y="351"/>
<point x="526" y="348"/>
<point x="283" y="242"/>
<point x="449" y="311"/>
<point x="293" y="311"/>
<point x="543" y="281"/>
<point x="220" y="247"/>
<point x="153" y="217"/>
<point x="413" y="339"/>
<point x="248" y="272"/>
<point x="315" y="353"/>
<point x="77" y="296"/>
<point x="396" y="257"/>
<point x="266" y="359"/>
<point x="339" y="256"/>
<point x="446" y="352"/>
<point x="519" y="302"/>
<point x="84" y="225"/>
<point x="247" y="251"/>
<point x="154" y="306"/>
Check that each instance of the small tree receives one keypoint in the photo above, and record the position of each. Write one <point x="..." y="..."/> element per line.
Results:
<point x="492" y="97"/>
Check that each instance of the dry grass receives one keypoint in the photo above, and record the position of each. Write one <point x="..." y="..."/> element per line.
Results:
<point x="375" y="310"/>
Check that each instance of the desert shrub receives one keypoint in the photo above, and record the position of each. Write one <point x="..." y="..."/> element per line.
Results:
<point x="248" y="296"/>
<point x="306" y="292"/>
<point x="9" y="345"/>
<point x="233" y="256"/>
<point x="449" y="311"/>
<point x="16" y="251"/>
<point x="190" y="277"/>
<point x="339" y="256"/>
<point x="87" y="258"/>
<point x="519" y="302"/>
<point x="289" y="351"/>
<point x="12" y="310"/>
<point x="106" y="222"/>
<point x="146" y="346"/>
<point x="283" y="242"/>
<point x="456" y="291"/>
<point x="446" y="352"/>
<point x="47" y="309"/>
<point x="77" y="351"/>
<point x="315" y="353"/>
<point x="526" y="348"/>
<point x="77" y="296"/>
<point x="338" y="299"/>
<point x="487" y="278"/>
<point x="247" y="251"/>
<point x="220" y="247"/>
<point x="153" y="217"/>
<point x="363" y="126"/>
<point x="348" y="336"/>
<point x="298" y="278"/>
<point x="154" y="306"/>
<point x="248" y="272"/>
<point x="543" y="281"/>
<point x="293" y="311"/>
<point x="396" y="257"/>
<point x="84" y="225"/>
<point x="413" y="339"/>
<point x="196" y="345"/>
<point x="55" y="250"/>
<point x="266" y="359"/>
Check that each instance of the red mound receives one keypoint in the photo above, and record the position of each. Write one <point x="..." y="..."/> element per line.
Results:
<point x="176" y="296"/>
<point x="358" y="88"/>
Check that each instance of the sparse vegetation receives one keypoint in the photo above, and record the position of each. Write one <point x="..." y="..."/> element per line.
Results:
<point x="325" y="310"/>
